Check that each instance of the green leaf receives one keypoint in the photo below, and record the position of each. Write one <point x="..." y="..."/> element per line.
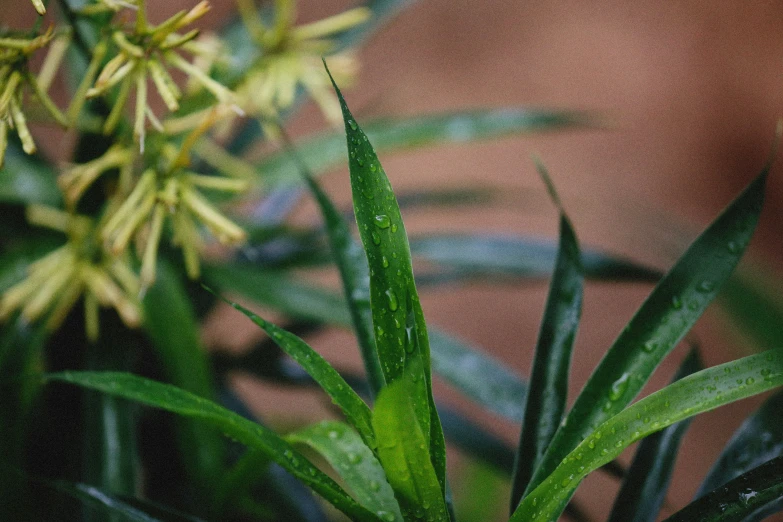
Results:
<point x="27" y="179"/>
<point x="171" y="324"/>
<point x="759" y="439"/>
<point x="478" y="375"/>
<point x="400" y="330"/>
<point x="356" y="464"/>
<point x="109" y="442"/>
<point x="279" y="291"/>
<point x="660" y="323"/>
<point x="519" y="256"/>
<point x="354" y="274"/>
<point x="237" y="481"/>
<point x="697" y="393"/>
<point x="404" y="454"/>
<point x="118" y="507"/>
<point x="548" y="389"/>
<point x="324" y="153"/>
<point x="754" y="305"/>
<point x="739" y="498"/>
<point x="354" y="408"/>
<point x="645" y="485"/>
<point x="255" y="436"/>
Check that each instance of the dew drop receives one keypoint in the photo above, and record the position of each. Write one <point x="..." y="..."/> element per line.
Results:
<point x="384" y="262"/>
<point x="733" y="247"/>
<point x="373" y="168"/>
<point x="650" y="346"/>
<point x="750" y="380"/>
<point x="352" y="124"/>
<point x="619" y="387"/>
<point x="392" y="297"/>
<point x="376" y="238"/>
<point x="360" y="161"/>
<point x="394" y="228"/>
<point x="354" y="458"/>
<point x="676" y="302"/>
<point x="334" y="434"/>
<point x="382" y="221"/>
<point x="706" y="286"/>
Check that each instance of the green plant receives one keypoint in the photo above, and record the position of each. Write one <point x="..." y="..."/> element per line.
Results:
<point x="387" y="459"/>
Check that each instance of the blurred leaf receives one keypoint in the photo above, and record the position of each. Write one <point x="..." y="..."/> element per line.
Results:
<point x="661" y="322"/>
<point x="759" y="439"/>
<point x="27" y="179"/>
<point x="644" y="488"/>
<point x="352" y="406"/>
<point x="697" y="393"/>
<point x="170" y="322"/>
<point x="255" y="436"/>
<point x="356" y="464"/>
<point x="548" y="389"/>
<point x="109" y="444"/>
<point x="478" y="375"/>
<point x="279" y="291"/>
<point x="400" y="330"/>
<point x="324" y="152"/>
<point x="119" y="507"/>
<point x="480" y="493"/>
<point x="404" y="453"/>
<point x="354" y="273"/>
<point x="520" y="256"/>
<point x="739" y="498"/>
<point x="475" y="373"/>
<point x="15" y="260"/>
<point x="243" y="475"/>
<point x="751" y="298"/>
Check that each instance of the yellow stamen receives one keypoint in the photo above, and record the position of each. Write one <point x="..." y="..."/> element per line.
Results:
<point x="150" y="257"/>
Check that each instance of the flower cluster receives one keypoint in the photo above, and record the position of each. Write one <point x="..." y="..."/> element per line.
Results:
<point x="149" y="191"/>
<point x="77" y="269"/>
<point x="15" y="75"/>
<point x="291" y="57"/>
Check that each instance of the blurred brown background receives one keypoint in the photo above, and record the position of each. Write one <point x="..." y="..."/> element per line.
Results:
<point x="692" y="91"/>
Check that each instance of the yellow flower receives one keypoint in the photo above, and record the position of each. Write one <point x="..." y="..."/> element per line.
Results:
<point x="144" y="53"/>
<point x="78" y="268"/>
<point x="291" y="58"/>
<point x="171" y="190"/>
<point x="15" y="53"/>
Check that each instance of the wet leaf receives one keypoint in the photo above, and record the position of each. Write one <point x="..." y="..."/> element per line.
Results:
<point x="255" y="436"/>
<point x="697" y="393"/>
<point x="354" y="462"/>
<point x="661" y="322"/>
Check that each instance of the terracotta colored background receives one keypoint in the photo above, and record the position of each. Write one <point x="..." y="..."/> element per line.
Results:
<point x="693" y="90"/>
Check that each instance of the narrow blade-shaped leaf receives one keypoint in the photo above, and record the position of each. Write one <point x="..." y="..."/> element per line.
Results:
<point x="353" y="407"/>
<point x="759" y="439"/>
<point x="176" y="400"/>
<point x="645" y="485"/>
<point x="697" y="393"/>
<point x="548" y="389"/>
<point x="280" y="291"/>
<point x="478" y="375"/>
<point x="400" y="330"/>
<point x="119" y="507"/>
<point x="356" y="464"/>
<point x="170" y="322"/>
<point x="323" y="152"/>
<point x="520" y="256"/>
<point x="469" y="369"/>
<point x="404" y="453"/>
<point x="355" y="275"/>
<point x="661" y="322"/>
<point x="738" y="498"/>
